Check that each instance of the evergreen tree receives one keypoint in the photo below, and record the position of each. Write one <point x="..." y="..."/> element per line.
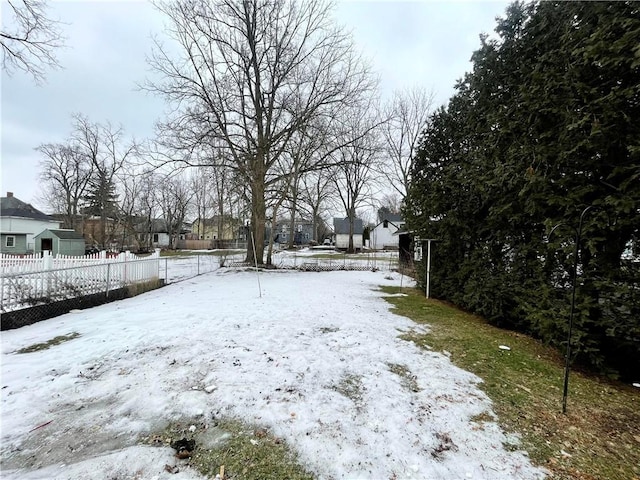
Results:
<point x="544" y="126"/>
<point x="102" y="202"/>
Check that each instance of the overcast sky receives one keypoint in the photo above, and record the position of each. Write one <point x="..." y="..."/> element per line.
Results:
<point x="420" y="43"/>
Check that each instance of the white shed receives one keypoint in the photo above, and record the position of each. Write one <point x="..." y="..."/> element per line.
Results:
<point x="341" y="228"/>
<point x="384" y="235"/>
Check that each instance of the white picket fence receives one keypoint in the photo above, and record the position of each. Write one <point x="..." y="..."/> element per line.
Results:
<point x="34" y="280"/>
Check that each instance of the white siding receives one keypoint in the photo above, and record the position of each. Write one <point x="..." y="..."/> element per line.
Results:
<point x="163" y="240"/>
<point x="342" y="240"/>
<point x="26" y="225"/>
<point x="383" y="237"/>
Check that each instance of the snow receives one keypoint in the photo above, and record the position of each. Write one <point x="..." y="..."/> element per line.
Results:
<point x="196" y="262"/>
<point x="311" y="360"/>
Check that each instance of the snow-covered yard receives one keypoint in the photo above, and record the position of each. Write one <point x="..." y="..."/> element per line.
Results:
<point x="316" y="360"/>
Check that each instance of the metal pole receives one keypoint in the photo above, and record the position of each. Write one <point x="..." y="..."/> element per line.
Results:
<point x="567" y="360"/>
<point x="428" y="266"/>
<point x="567" y="363"/>
<point x="255" y="258"/>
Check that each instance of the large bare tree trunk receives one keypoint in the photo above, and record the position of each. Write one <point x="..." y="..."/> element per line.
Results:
<point x="248" y="77"/>
<point x="258" y="219"/>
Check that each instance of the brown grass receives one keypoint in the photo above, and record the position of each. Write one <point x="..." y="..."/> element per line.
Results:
<point x="598" y="438"/>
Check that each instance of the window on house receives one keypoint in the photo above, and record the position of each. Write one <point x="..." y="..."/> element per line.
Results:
<point x="385" y="224"/>
<point x="155" y="238"/>
<point x="10" y="241"/>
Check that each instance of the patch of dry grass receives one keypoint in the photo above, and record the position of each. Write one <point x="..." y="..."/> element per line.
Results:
<point x="598" y="438"/>
<point x="36" y="347"/>
<point x="239" y="450"/>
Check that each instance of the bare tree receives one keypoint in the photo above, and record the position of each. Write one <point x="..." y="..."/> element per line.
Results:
<point x="357" y="168"/>
<point x="200" y="185"/>
<point x="213" y="184"/>
<point x="308" y="152"/>
<point x="391" y="202"/>
<point x="407" y="113"/>
<point x="278" y="194"/>
<point x="147" y="209"/>
<point x="316" y="189"/>
<point x="251" y="74"/>
<point x="105" y="149"/>
<point x="174" y="197"/>
<point x="65" y="174"/>
<point x="136" y="209"/>
<point x="29" y="38"/>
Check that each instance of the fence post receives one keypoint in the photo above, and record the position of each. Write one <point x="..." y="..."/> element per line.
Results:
<point x="198" y="263"/>
<point x="108" y="279"/>
<point x="47" y="264"/>
<point x="157" y="254"/>
<point x="126" y="256"/>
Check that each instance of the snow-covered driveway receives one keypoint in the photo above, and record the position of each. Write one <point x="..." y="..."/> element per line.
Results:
<point x="317" y="360"/>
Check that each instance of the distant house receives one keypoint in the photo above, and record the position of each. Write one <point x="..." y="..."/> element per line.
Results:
<point x="60" y="242"/>
<point x="159" y="233"/>
<point x="214" y="228"/>
<point x="384" y="236"/>
<point x="302" y="231"/>
<point x="156" y="234"/>
<point x="113" y="232"/>
<point x="20" y="222"/>
<point x="341" y="229"/>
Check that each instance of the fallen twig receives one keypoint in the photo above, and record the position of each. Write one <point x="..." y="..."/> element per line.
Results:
<point x="40" y="426"/>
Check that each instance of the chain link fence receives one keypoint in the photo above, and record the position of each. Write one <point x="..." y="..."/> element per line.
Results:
<point x="30" y="296"/>
<point x="34" y="296"/>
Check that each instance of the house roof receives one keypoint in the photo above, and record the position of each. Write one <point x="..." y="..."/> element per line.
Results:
<point x="341" y="226"/>
<point x="158" y="225"/>
<point x="10" y="206"/>
<point x="391" y="217"/>
<point x="67" y="234"/>
<point x="64" y="234"/>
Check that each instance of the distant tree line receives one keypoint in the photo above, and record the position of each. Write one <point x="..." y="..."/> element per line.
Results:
<point x="545" y="125"/>
<point x="273" y="112"/>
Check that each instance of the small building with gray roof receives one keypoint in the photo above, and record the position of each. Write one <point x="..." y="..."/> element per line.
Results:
<point x="20" y="222"/>
<point x="342" y="228"/>
<point x="60" y="242"/>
